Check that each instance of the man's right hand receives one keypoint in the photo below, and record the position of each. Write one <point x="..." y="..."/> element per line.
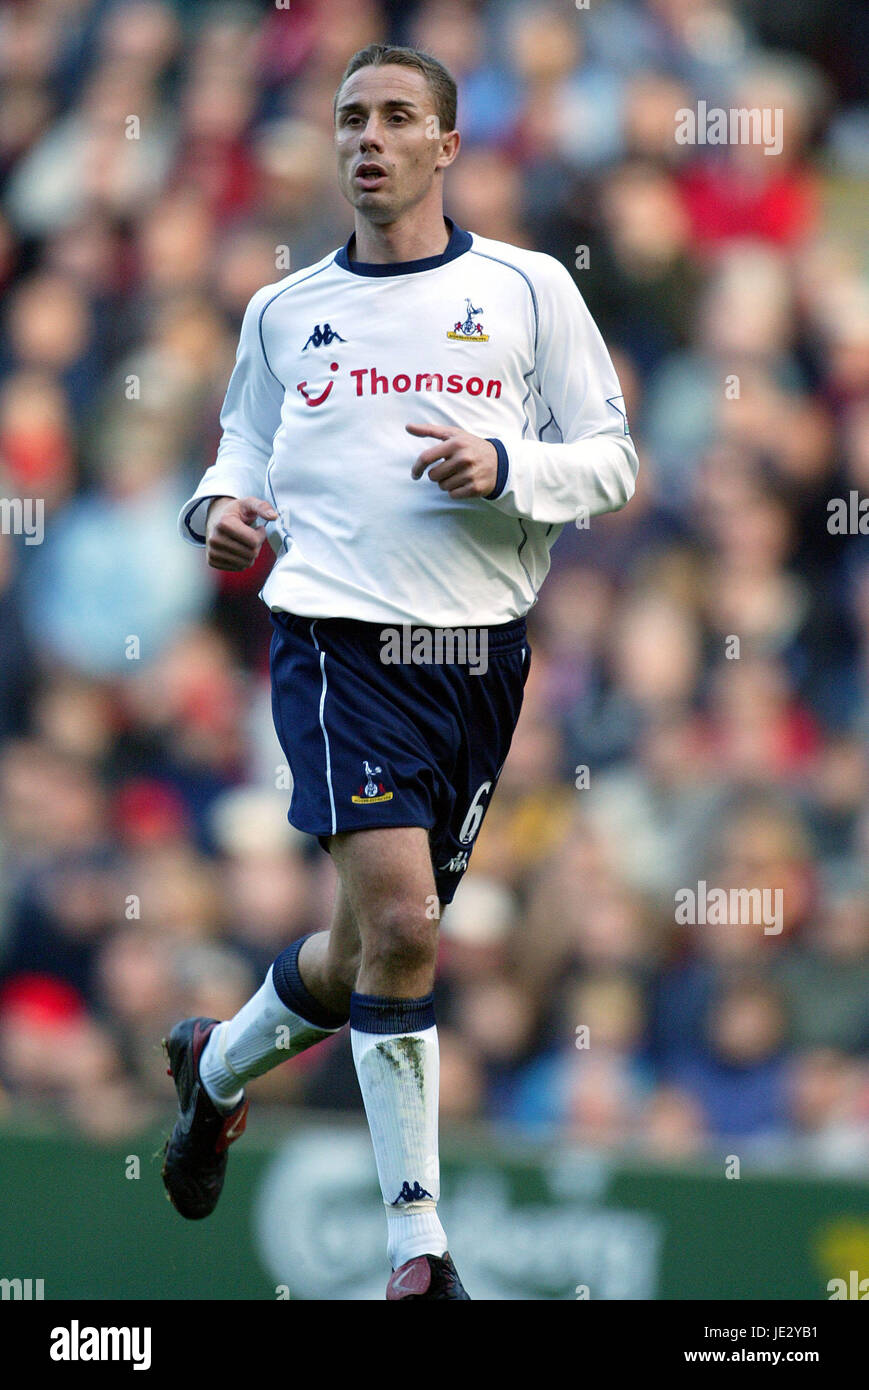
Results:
<point x="232" y="542"/>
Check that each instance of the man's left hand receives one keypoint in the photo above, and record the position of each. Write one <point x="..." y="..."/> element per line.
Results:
<point x="469" y="466"/>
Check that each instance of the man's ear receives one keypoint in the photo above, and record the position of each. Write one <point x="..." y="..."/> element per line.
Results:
<point x="450" y="147"/>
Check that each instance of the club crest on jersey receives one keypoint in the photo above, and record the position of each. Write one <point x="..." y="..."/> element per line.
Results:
<point x="322" y="337"/>
<point x="468" y="330"/>
<point x="372" y="791"/>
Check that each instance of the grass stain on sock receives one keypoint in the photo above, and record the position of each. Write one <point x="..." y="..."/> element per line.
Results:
<point x="410" y="1054"/>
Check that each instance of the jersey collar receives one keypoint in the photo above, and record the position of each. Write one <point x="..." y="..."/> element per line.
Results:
<point x="460" y="241"/>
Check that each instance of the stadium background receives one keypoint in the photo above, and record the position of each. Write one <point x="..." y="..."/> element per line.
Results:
<point x="147" y="868"/>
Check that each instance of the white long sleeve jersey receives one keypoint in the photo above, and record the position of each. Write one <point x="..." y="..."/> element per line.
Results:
<point x="335" y="360"/>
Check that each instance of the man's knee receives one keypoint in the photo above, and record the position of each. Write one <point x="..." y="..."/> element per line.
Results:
<point x="399" y="934"/>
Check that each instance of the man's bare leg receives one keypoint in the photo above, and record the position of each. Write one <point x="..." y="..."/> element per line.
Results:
<point x="388" y="879"/>
<point x="389" y="885"/>
<point x="375" y="966"/>
<point x="329" y="960"/>
<point x="382" y="942"/>
<point x="387" y="876"/>
<point x="295" y="1008"/>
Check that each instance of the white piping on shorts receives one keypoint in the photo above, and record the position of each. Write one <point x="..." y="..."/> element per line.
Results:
<point x="323" y="727"/>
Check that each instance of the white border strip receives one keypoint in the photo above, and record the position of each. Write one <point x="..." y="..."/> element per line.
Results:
<point x="323" y="727"/>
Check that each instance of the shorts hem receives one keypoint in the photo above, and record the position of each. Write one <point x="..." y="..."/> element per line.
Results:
<point x="321" y="833"/>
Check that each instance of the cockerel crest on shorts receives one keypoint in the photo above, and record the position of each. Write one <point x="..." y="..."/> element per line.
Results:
<point x="372" y="791"/>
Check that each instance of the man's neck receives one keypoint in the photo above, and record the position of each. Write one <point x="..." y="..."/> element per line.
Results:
<point x="379" y="245"/>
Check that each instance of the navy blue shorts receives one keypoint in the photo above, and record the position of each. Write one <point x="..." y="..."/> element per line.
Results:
<point x="373" y="743"/>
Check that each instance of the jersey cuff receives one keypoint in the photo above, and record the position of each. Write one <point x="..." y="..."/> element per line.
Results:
<point x="189" y="515"/>
<point x="503" y="469"/>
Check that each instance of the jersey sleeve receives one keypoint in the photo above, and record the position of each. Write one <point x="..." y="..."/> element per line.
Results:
<point x="249" y="421"/>
<point x="593" y="468"/>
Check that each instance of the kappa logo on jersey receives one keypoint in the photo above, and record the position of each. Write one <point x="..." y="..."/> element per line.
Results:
<point x="322" y="337"/>
<point x="456" y="865"/>
<point x="317" y="400"/>
<point x="412" y="1194"/>
<point x="372" y="791"/>
<point x="468" y="330"/>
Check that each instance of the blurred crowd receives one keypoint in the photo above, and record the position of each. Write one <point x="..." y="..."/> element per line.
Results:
<point x="160" y="161"/>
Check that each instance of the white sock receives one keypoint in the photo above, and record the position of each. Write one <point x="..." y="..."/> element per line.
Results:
<point x="264" y="1033"/>
<point x="398" y="1075"/>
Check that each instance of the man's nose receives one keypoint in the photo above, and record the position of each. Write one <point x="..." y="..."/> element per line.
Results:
<point x="371" y="135"/>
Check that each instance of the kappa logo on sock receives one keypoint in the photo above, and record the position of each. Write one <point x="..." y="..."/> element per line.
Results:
<point x="412" y="1194"/>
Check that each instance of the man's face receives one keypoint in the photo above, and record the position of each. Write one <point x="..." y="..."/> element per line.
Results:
<point x="386" y="117"/>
